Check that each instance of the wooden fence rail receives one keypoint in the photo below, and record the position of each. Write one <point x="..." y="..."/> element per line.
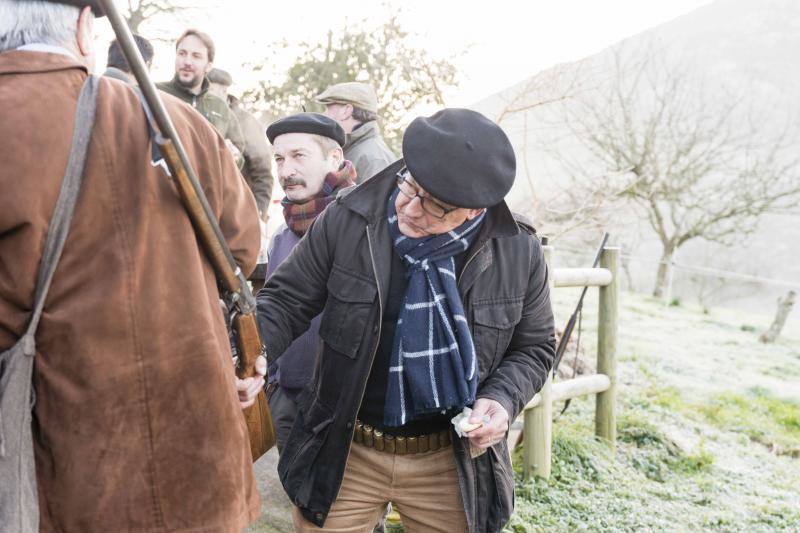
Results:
<point x="538" y="414"/>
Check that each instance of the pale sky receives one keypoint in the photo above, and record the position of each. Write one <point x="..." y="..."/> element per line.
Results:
<point x="506" y="41"/>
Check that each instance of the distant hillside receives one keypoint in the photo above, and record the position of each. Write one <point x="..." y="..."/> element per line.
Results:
<point x="751" y="46"/>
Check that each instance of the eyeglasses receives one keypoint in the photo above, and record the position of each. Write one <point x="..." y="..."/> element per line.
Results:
<point x="429" y="205"/>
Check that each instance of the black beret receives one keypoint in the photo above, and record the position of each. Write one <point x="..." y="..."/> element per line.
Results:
<point x="460" y="157"/>
<point x="94" y="4"/>
<point x="316" y="123"/>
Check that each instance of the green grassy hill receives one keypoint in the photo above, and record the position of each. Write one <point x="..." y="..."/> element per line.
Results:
<point x="709" y="429"/>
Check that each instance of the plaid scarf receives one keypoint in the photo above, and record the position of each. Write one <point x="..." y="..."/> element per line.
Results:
<point x="300" y="216"/>
<point x="433" y="365"/>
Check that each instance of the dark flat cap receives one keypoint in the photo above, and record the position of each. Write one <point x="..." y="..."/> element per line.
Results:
<point x="217" y="75"/>
<point x="94" y="4"/>
<point x="316" y="123"/>
<point x="460" y="157"/>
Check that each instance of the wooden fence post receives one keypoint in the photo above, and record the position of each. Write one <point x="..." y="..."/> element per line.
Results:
<point x="605" y="410"/>
<point x="538" y="424"/>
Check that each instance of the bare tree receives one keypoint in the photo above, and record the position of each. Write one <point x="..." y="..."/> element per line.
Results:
<point x="551" y="86"/>
<point x="690" y="158"/>
<point x="139" y="11"/>
<point x="784" y="308"/>
<point x="384" y="54"/>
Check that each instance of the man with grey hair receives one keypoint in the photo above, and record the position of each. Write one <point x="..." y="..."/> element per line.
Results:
<point x="137" y="423"/>
<point x="354" y="106"/>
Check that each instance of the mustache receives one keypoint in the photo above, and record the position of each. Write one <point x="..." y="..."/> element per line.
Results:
<point x="293" y="181"/>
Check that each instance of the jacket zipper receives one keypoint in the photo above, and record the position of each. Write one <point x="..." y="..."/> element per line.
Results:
<point x="374" y="351"/>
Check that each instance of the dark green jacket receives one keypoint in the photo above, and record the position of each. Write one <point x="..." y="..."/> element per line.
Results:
<point x="215" y="109"/>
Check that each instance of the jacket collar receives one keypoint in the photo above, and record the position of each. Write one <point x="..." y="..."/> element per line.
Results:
<point x="186" y="92"/>
<point x="117" y="74"/>
<point x="367" y="129"/>
<point x="29" y="62"/>
<point x="369" y="200"/>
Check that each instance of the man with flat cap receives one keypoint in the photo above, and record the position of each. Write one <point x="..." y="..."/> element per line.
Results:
<point x="137" y="421"/>
<point x="312" y="171"/>
<point x="433" y="298"/>
<point x="354" y="106"/>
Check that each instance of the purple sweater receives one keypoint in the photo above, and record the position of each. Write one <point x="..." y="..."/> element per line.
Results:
<point x="295" y="367"/>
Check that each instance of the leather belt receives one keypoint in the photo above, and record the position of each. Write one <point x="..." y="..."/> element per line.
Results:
<point x="370" y="437"/>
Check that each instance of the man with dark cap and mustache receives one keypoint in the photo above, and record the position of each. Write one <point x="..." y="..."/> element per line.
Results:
<point x="434" y="298"/>
<point x="312" y="170"/>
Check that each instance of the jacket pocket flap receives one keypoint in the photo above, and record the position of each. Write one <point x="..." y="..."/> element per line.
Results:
<point x="346" y="287"/>
<point x="318" y="417"/>
<point x="498" y="314"/>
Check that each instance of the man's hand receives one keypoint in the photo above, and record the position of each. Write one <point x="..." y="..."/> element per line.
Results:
<point x="492" y="432"/>
<point x="249" y="388"/>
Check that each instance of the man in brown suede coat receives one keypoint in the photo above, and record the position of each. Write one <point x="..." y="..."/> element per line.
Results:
<point x="137" y="423"/>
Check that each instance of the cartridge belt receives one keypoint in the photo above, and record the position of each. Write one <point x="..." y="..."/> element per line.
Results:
<point x="370" y="437"/>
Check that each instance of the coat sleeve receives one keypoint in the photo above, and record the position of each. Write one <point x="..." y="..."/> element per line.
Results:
<point x="226" y="190"/>
<point x="296" y="292"/>
<point x="530" y="353"/>
<point x="239" y="217"/>
<point x="258" y="163"/>
<point x="234" y="131"/>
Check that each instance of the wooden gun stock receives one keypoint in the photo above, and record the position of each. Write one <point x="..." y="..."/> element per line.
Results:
<point x="248" y="342"/>
<point x="257" y="416"/>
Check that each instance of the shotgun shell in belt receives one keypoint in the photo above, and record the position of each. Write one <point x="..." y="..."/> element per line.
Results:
<point x="358" y="434"/>
<point x="400" y="445"/>
<point x="378" y="437"/>
<point x="434" y="442"/>
<point x="388" y="443"/>
<point x="368" y="440"/>
<point x="412" y="446"/>
<point x="444" y="438"/>
<point x="422" y="443"/>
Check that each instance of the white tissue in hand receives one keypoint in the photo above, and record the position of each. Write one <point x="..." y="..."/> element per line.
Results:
<point x="463" y="425"/>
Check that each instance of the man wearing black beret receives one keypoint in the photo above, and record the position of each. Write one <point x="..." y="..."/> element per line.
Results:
<point x="434" y="299"/>
<point x="312" y="170"/>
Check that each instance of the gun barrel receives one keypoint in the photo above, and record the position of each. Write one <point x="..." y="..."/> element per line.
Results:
<point x="199" y="210"/>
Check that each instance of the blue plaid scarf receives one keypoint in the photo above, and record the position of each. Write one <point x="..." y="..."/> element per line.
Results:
<point x="433" y="365"/>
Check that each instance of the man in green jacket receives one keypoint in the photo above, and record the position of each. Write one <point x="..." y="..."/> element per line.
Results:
<point x="194" y="58"/>
<point x="354" y="106"/>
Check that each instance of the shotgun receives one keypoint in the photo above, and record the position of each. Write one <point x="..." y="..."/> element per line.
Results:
<point x="562" y="343"/>
<point x="236" y="293"/>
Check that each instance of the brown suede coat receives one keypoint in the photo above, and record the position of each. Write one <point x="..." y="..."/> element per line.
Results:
<point x="137" y="426"/>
